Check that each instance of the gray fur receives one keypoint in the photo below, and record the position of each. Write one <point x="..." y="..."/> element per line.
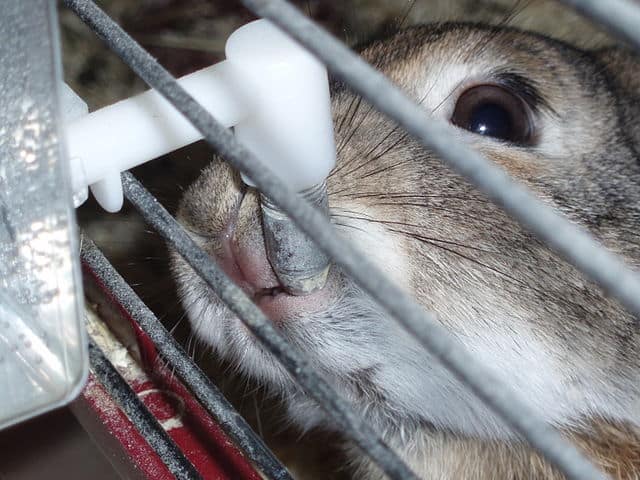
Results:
<point x="554" y="336"/>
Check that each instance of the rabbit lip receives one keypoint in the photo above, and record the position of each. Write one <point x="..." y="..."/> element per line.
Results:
<point x="268" y="292"/>
<point x="247" y="265"/>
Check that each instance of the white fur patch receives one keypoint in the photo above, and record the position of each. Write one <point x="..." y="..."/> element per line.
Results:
<point x="381" y="248"/>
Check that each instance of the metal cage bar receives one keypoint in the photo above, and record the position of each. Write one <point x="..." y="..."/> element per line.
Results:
<point x="621" y="17"/>
<point x="573" y="243"/>
<point x="200" y="385"/>
<point x="313" y="383"/>
<point x="141" y="418"/>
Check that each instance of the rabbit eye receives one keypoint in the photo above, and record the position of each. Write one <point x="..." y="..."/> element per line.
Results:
<point x="496" y="112"/>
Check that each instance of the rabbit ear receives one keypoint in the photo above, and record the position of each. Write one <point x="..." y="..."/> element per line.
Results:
<point x="623" y="67"/>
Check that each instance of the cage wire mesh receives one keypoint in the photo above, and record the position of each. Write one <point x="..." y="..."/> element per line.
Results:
<point x="576" y="246"/>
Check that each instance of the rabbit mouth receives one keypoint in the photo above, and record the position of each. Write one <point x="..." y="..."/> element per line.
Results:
<point x="247" y="265"/>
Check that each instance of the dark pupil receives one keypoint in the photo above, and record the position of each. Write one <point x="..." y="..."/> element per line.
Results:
<point x="492" y="120"/>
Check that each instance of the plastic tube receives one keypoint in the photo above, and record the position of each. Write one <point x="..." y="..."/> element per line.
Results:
<point x="121" y="136"/>
<point x="270" y="89"/>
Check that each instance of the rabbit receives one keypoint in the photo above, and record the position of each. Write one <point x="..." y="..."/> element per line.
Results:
<point x="563" y="121"/>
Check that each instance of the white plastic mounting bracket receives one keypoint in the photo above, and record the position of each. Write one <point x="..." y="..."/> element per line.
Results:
<point x="269" y="88"/>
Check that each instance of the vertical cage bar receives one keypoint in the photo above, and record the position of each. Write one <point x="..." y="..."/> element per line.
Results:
<point x="352" y="424"/>
<point x="426" y="330"/>
<point x="575" y="244"/>
<point x="141" y="418"/>
<point x="203" y="389"/>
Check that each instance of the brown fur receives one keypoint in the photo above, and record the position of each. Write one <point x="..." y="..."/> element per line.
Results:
<point x="494" y="286"/>
<point x="613" y="447"/>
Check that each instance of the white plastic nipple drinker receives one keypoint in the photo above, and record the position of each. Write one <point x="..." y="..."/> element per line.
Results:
<point x="273" y="92"/>
<point x="291" y="129"/>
